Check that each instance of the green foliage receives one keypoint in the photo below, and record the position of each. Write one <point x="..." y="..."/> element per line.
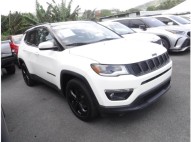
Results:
<point x="11" y="24"/>
<point x="89" y="15"/>
<point x="105" y="12"/>
<point x="16" y="23"/>
<point x="151" y="8"/>
<point x="94" y="15"/>
<point x="4" y="24"/>
<point x="165" y="5"/>
<point x="133" y="10"/>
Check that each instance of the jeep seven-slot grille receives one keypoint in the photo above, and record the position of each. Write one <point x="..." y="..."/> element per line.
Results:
<point x="144" y="67"/>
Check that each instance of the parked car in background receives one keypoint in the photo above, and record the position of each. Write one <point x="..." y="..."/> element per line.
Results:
<point x="15" y="41"/>
<point x="130" y="33"/>
<point x="174" y="38"/>
<point x="96" y="69"/>
<point x="186" y="16"/>
<point x="174" y="20"/>
<point x="8" y="57"/>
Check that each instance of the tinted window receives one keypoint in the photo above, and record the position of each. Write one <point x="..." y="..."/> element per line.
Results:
<point x="35" y="37"/>
<point x="118" y="28"/>
<point x="152" y="22"/>
<point x="125" y="22"/>
<point x="166" y="20"/>
<point x="32" y="38"/>
<point x="180" y="20"/>
<point x="44" y="35"/>
<point x="131" y="23"/>
<point x="135" y="23"/>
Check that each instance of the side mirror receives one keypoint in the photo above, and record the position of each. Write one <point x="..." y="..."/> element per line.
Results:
<point x="170" y="23"/>
<point x="47" y="45"/>
<point x="143" y="27"/>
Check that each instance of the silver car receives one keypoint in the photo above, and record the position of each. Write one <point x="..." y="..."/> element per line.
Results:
<point x="174" y="38"/>
<point x="130" y="34"/>
<point x="174" y="20"/>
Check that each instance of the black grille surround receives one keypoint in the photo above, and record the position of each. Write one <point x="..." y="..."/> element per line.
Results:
<point x="147" y="66"/>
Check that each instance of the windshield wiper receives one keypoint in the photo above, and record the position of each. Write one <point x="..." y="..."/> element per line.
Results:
<point x="77" y="44"/>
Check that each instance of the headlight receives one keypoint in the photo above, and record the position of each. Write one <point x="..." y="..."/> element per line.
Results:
<point x="109" y="70"/>
<point x="176" y="32"/>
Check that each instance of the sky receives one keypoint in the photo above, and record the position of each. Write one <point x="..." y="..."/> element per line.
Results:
<point x="29" y="5"/>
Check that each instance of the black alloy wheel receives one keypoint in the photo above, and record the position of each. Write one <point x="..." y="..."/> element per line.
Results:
<point x="80" y="101"/>
<point x="26" y="76"/>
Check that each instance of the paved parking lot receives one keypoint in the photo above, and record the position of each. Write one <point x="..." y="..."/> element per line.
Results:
<point x="40" y="114"/>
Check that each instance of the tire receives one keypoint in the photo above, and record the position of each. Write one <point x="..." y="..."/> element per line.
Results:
<point x="26" y="75"/>
<point x="11" y="69"/>
<point x="18" y="65"/>
<point x="165" y="43"/>
<point x="80" y="100"/>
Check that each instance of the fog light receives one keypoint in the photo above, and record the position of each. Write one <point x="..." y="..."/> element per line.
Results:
<point x="120" y="94"/>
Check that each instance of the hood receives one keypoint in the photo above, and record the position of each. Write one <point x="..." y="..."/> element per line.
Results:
<point x="119" y="51"/>
<point x="178" y="28"/>
<point x="188" y="26"/>
<point x="142" y="37"/>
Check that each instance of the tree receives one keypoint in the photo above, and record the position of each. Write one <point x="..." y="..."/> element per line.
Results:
<point x="4" y="24"/>
<point x="165" y="5"/>
<point x="132" y="10"/>
<point x="151" y="8"/>
<point x="89" y="15"/>
<point x="105" y="12"/>
<point x="11" y="24"/>
<point x="54" y="13"/>
<point x="16" y="23"/>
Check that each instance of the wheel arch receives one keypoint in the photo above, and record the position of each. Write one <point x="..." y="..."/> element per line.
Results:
<point x="20" y="60"/>
<point x="67" y="75"/>
<point x="166" y="38"/>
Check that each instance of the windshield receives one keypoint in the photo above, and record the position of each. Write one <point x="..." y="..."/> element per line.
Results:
<point x="180" y="20"/>
<point x="81" y="33"/>
<point x="153" y="22"/>
<point x="118" y="28"/>
<point x="17" y="39"/>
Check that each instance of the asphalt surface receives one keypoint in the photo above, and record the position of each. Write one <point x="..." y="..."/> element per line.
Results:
<point x="40" y="114"/>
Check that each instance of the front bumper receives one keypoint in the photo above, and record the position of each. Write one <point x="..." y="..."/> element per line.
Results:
<point x="144" y="100"/>
<point x="139" y="84"/>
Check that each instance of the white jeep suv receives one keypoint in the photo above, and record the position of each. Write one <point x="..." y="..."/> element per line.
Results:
<point x="96" y="69"/>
